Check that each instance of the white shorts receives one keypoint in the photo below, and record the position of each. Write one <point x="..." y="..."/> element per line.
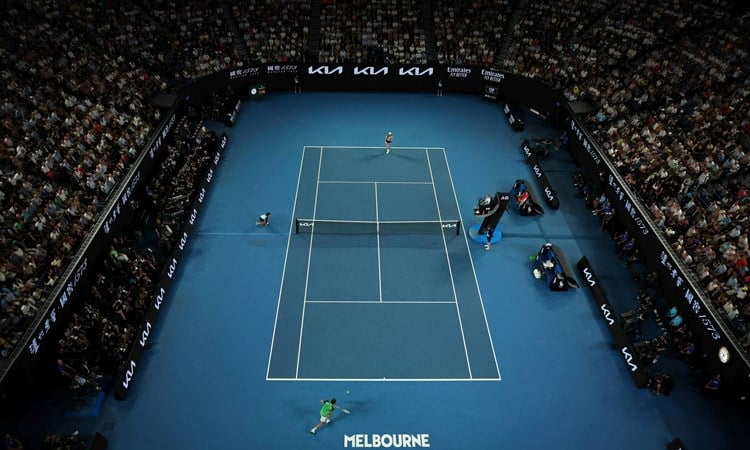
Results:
<point x="324" y="419"/>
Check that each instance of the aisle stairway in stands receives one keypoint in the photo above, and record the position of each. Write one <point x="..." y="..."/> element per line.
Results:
<point x="597" y="21"/>
<point x="313" y="38"/>
<point x="239" y="42"/>
<point x="504" y="45"/>
<point x="428" y="23"/>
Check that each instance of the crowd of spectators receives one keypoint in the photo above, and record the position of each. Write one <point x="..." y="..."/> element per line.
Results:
<point x="468" y="32"/>
<point x="99" y="335"/>
<point x="544" y="29"/>
<point x="170" y="191"/>
<point x="670" y="78"/>
<point x="75" y="113"/>
<point x="72" y="123"/>
<point x="367" y="32"/>
<point x="72" y="441"/>
<point x="274" y="31"/>
<point x="671" y="82"/>
<point x="192" y="34"/>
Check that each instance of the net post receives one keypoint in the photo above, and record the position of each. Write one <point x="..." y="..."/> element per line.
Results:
<point x="296" y="226"/>
<point x="458" y="227"/>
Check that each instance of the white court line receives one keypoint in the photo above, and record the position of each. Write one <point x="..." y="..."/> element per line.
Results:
<point x="471" y="260"/>
<point x="385" y="380"/>
<point x="233" y="233"/>
<point x="395" y="302"/>
<point x="283" y="270"/>
<point x="309" y="256"/>
<point x="297" y="378"/>
<point x="377" y="238"/>
<point x="358" y="147"/>
<point x="371" y="182"/>
<point x="450" y="270"/>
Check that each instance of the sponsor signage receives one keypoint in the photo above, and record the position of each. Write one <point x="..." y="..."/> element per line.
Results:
<point x="125" y="379"/>
<point x="550" y="196"/>
<point x="458" y="72"/>
<point x="325" y="70"/>
<point x="257" y="89"/>
<point x="371" y="71"/>
<point x="415" y="71"/>
<point x="57" y="307"/>
<point x="374" y="77"/>
<point x="341" y="70"/>
<point x="282" y="69"/>
<point x="621" y="342"/>
<point x="156" y="145"/>
<point x="492" y="76"/>
<point x="491" y="92"/>
<point x="244" y="73"/>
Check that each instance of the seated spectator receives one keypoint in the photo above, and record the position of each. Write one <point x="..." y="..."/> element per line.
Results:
<point x="63" y="442"/>
<point x="10" y="442"/>
<point x="661" y="384"/>
<point x="714" y="384"/>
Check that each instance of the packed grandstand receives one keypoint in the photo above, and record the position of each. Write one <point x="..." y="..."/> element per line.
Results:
<point x="669" y="78"/>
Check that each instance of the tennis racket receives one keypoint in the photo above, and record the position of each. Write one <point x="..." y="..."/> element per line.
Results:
<point x="344" y="410"/>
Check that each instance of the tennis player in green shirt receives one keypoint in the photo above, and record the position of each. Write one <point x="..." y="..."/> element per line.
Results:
<point x="325" y="413"/>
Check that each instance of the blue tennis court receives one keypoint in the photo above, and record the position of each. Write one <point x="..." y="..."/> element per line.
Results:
<point x="378" y="282"/>
<point x="263" y="322"/>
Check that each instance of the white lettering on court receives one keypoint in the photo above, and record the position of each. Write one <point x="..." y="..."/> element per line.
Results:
<point x="387" y="440"/>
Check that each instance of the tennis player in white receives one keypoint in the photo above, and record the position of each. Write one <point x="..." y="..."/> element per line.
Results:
<point x="388" y="140"/>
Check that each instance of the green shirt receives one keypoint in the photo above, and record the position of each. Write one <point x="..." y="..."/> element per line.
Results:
<point x="326" y="409"/>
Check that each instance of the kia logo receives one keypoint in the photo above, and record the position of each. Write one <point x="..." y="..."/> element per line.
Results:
<point x="589" y="277"/>
<point x="449" y="225"/>
<point x="629" y="359"/>
<point x="159" y="298"/>
<point x="325" y="70"/>
<point x="305" y="224"/>
<point x="172" y="267"/>
<point x="129" y="375"/>
<point x="183" y="241"/>
<point x="370" y="71"/>
<point x="145" y="333"/>
<point x="549" y="194"/>
<point x="607" y="315"/>
<point x="537" y="171"/>
<point x="415" y="72"/>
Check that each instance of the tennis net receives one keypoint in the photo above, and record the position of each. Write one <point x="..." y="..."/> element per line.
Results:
<point x="345" y="227"/>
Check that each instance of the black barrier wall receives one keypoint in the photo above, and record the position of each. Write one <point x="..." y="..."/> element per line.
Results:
<point x="514" y="89"/>
<point x="124" y="380"/>
<point x="619" y="340"/>
<point x="550" y="195"/>
<point x="678" y="283"/>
